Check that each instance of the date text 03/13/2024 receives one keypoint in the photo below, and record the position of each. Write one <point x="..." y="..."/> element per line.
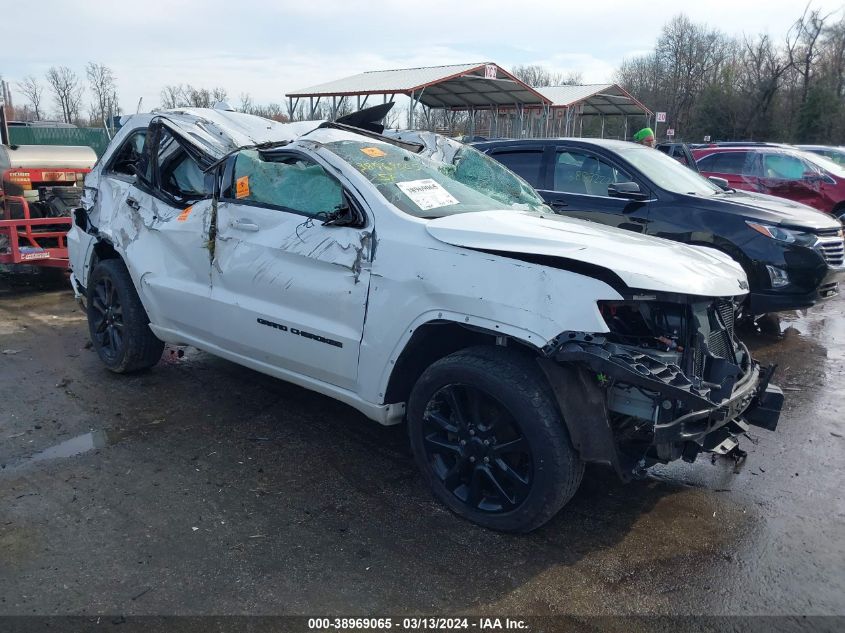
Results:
<point x="416" y="623"/>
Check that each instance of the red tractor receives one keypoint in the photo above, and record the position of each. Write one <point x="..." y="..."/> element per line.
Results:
<point x="39" y="187"/>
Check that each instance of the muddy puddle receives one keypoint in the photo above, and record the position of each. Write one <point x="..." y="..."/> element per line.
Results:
<point x="78" y="445"/>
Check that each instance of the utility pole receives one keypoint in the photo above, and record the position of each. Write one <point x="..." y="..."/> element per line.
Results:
<point x="4" y="126"/>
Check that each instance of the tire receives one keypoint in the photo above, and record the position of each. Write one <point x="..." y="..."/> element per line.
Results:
<point x="117" y="322"/>
<point x="488" y="437"/>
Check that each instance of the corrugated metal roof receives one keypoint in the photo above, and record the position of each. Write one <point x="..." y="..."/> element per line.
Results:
<point x="453" y="86"/>
<point x="385" y="81"/>
<point x="596" y="98"/>
<point x="567" y="95"/>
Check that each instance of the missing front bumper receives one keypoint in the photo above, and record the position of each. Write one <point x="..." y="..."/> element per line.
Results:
<point x="682" y="418"/>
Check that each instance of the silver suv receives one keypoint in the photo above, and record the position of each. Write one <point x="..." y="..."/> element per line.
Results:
<point x="416" y="279"/>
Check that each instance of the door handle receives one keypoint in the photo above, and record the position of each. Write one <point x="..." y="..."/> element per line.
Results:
<point x="242" y="224"/>
<point x="558" y="204"/>
<point x="132" y="202"/>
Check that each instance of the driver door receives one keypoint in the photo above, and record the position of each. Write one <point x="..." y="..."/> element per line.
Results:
<point x="162" y="227"/>
<point x="290" y="290"/>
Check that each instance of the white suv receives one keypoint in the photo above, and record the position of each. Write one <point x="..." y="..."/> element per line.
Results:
<point x="416" y="279"/>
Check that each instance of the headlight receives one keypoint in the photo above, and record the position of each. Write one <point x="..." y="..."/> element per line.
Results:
<point x="776" y="232"/>
<point x="778" y="276"/>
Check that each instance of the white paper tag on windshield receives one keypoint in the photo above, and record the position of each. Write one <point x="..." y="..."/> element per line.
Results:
<point x="427" y="193"/>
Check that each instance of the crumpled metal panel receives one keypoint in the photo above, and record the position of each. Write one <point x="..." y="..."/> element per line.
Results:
<point x="626" y="365"/>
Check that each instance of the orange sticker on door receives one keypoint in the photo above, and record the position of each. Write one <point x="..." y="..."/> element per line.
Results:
<point x="373" y="152"/>
<point x="242" y="187"/>
<point x="184" y="215"/>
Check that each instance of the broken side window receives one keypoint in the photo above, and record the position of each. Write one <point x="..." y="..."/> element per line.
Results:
<point x="180" y="177"/>
<point x="286" y="182"/>
<point x="127" y="157"/>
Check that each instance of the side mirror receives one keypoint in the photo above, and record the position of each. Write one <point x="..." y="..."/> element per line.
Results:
<point x="346" y="215"/>
<point x="629" y="190"/>
<point x="722" y="183"/>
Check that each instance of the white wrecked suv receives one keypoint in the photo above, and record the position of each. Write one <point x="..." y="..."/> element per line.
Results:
<point x="416" y="279"/>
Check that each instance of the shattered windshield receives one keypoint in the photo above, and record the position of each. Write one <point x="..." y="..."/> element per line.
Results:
<point x="425" y="188"/>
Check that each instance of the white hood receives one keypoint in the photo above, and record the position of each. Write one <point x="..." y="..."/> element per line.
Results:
<point x="642" y="262"/>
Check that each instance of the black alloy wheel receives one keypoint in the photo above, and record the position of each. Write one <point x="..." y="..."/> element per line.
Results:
<point x="476" y="449"/>
<point x="108" y="322"/>
<point x="117" y="322"/>
<point x="488" y="437"/>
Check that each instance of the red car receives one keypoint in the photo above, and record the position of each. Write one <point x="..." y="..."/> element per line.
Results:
<point x="787" y="173"/>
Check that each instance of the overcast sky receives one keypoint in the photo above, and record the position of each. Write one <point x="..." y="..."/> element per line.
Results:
<point x="267" y="48"/>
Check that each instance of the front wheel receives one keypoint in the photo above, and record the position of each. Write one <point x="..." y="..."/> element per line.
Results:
<point x="490" y="441"/>
<point x="118" y="324"/>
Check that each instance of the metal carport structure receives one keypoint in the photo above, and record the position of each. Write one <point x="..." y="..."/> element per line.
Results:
<point x="458" y="87"/>
<point x="571" y="103"/>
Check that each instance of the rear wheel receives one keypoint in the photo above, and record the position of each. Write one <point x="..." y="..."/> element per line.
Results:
<point x="117" y="322"/>
<point x="489" y="439"/>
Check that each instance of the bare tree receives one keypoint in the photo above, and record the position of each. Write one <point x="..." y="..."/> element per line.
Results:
<point x="747" y="88"/>
<point x="688" y="60"/>
<point x="809" y="29"/>
<point x="834" y="56"/>
<point x="762" y="68"/>
<point x="689" y="56"/>
<point x="104" y="90"/>
<point x="172" y="96"/>
<point x="537" y="76"/>
<point x="573" y="78"/>
<point x="198" y="97"/>
<point x="187" y="96"/>
<point x="247" y="105"/>
<point x="34" y="93"/>
<point x="67" y="92"/>
<point x="218" y="94"/>
<point x="272" y="111"/>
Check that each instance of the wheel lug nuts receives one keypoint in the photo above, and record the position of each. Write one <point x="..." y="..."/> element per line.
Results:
<point x="472" y="431"/>
<point x="463" y="442"/>
<point x="486" y="460"/>
<point x="472" y="459"/>
<point x="486" y="442"/>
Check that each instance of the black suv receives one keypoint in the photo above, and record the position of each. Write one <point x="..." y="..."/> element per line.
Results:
<point x="793" y="255"/>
